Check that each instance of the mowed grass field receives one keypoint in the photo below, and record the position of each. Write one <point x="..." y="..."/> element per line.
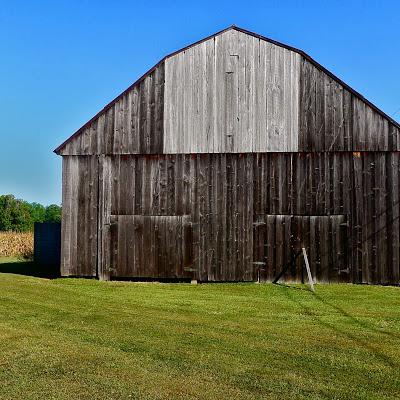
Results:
<point x="84" y="339"/>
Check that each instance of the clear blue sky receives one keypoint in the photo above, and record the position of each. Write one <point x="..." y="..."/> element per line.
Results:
<point x="62" y="61"/>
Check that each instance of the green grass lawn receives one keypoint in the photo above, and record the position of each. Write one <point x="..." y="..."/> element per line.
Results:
<point x="84" y="339"/>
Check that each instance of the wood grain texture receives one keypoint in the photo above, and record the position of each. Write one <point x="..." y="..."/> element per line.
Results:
<point x="233" y="93"/>
<point x="79" y="216"/>
<point x="214" y="193"/>
<point x="150" y="247"/>
<point x="242" y="213"/>
<point x="225" y="158"/>
<point x="334" y="119"/>
<point x="236" y="92"/>
<point x="132" y="125"/>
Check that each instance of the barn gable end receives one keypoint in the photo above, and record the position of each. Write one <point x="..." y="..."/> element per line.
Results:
<point x="236" y="92"/>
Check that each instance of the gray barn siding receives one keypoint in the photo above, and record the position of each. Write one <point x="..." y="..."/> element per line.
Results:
<point x="233" y="204"/>
<point x="79" y="216"/>
<point x="280" y="237"/>
<point x="230" y="94"/>
<point x="151" y="246"/>
<point x="235" y="93"/>
<point x="334" y="119"/>
<point x="213" y="193"/>
<point x="217" y="160"/>
<point x="133" y="124"/>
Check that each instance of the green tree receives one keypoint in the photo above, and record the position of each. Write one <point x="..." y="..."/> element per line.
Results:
<point x="53" y="213"/>
<point x="15" y="214"/>
<point x="19" y="215"/>
<point x="5" y="212"/>
<point x="38" y="212"/>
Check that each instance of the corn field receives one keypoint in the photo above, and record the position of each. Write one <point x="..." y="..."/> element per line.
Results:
<point x="16" y="244"/>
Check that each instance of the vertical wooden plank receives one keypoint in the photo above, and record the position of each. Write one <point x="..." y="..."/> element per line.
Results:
<point x="147" y="268"/>
<point x="157" y="238"/>
<point x="259" y="141"/>
<point x="220" y="62"/>
<point x="93" y="215"/>
<point x="312" y="248"/>
<point x="224" y="219"/>
<point x="140" y="256"/>
<point x="392" y="217"/>
<point x="357" y="219"/>
<point x="214" y="189"/>
<point x="125" y="124"/>
<point x="118" y="120"/>
<point x="286" y="98"/>
<point x="74" y="165"/>
<point x="229" y="206"/>
<point x="395" y="220"/>
<point x="367" y="222"/>
<point x="381" y="220"/>
<point x="319" y="141"/>
<point x="209" y="96"/>
<point x="242" y="141"/>
<point x="333" y="249"/>
<point x="158" y="135"/>
<point x="274" y="133"/>
<point x="324" y="248"/>
<point x="130" y="246"/>
<point x="194" y="202"/>
<point x="309" y="131"/>
<point x="120" y="268"/>
<point x="360" y="126"/>
<point x="293" y="240"/>
<point x="104" y="251"/>
<point x="232" y="91"/>
<point x="135" y="120"/>
<point x="279" y="243"/>
<point x="293" y="117"/>
<point x="170" y="111"/>
<point x="287" y="249"/>
<point x="66" y="218"/>
<point x="270" y="242"/>
<point x="112" y="247"/>
<point x="249" y="212"/>
<point x="142" y="116"/>
<point x="205" y="212"/>
<point x="180" y="255"/>
<point x="147" y="111"/>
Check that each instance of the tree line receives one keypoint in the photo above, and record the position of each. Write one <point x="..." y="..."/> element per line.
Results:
<point x="19" y="215"/>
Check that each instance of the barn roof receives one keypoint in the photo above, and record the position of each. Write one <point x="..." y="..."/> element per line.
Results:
<point x="301" y="52"/>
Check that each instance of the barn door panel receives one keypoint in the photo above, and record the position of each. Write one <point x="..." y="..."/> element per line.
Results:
<point x="279" y="238"/>
<point x="150" y="246"/>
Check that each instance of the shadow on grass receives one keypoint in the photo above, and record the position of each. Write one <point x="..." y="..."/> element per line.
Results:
<point x="362" y="324"/>
<point x="28" y="268"/>
<point x="341" y="311"/>
<point x="304" y="289"/>
<point x="342" y="332"/>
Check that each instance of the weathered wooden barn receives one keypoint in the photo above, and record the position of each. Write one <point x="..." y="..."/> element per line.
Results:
<point x="222" y="161"/>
